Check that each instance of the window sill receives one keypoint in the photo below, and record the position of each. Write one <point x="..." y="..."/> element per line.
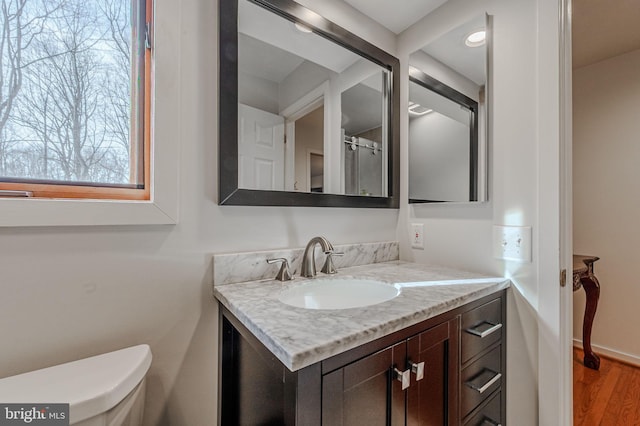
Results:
<point x="43" y="212"/>
<point x="165" y="124"/>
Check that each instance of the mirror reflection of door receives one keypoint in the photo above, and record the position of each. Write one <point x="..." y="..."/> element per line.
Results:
<point x="307" y="136"/>
<point x="318" y="88"/>
<point x="364" y="136"/>
<point x="363" y="165"/>
<point x="316" y="171"/>
<point x="260" y="149"/>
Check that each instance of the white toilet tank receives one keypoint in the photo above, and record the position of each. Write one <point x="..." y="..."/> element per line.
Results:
<point x="102" y="390"/>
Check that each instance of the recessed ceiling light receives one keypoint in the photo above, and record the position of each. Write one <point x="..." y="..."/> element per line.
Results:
<point x="302" y="28"/>
<point x="476" y="38"/>
<point x="417" y="109"/>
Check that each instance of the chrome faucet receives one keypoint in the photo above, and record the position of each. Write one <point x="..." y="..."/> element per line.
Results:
<point x="283" y="273"/>
<point x="308" y="268"/>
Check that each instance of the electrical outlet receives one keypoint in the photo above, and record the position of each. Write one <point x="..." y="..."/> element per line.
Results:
<point x="512" y="243"/>
<point x="417" y="235"/>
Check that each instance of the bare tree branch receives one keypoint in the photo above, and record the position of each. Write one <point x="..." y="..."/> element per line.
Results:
<point x="72" y="107"/>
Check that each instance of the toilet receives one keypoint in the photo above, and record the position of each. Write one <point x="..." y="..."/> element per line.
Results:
<point x="104" y="390"/>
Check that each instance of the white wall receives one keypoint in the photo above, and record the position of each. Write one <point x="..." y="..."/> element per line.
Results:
<point x="258" y="92"/>
<point x="524" y="137"/>
<point x="443" y="73"/>
<point x="301" y="81"/>
<point x="438" y="158"/>
<point x="68" y="293"/>
<point x="605" y="196"/>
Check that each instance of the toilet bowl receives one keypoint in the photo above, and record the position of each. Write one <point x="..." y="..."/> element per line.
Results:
<point x="102" y="390"/>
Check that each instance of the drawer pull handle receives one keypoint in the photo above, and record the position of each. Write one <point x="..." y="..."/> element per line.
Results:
<point x="480" y="330"/>
<point x="403" y="377"/>
<point x="482" y="388"/>
<point x="417" y="369"/>
<point x="489" y="422"/>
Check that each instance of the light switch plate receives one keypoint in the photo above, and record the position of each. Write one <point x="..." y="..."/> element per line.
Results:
<point x="512" y="243"/>
<point x="417" y="236"/>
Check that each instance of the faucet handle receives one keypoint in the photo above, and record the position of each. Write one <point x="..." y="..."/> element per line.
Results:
<point x="329" y="267"/>
<point x="283" y="273"/>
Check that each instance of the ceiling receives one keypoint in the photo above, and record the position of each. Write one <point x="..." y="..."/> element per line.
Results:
<point x="451" y="50"/>
<point x="264" y="60"/>
<point x="396" y="15"/>
<point x="268" y="28"/>
<point x="603" y="29"/>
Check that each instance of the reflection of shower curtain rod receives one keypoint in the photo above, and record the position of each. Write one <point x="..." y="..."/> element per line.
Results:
<point x="353" y="141"/>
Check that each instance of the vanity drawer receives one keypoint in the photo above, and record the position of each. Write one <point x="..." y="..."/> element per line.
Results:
<point x="480" y="379"/>
<point x="489" y="414"/>
<point x="481" y="328"/>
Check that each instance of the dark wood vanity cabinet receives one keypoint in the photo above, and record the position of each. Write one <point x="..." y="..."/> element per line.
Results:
<point x="370" y="391"/>
<point x="453" y="371"/>
<point x="483" y="364"/>
<point x="362" y="392"/>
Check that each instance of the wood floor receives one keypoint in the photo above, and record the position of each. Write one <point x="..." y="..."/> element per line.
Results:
<point x="608" y="397"/>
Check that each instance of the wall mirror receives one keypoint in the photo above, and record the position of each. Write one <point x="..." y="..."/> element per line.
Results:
<point x="448" y="116"/>
<point x="308" y="111"/>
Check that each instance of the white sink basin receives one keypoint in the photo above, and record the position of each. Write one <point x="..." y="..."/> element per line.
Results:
<point x="338" y="293"/>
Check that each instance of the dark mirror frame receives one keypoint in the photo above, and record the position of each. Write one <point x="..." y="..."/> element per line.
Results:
<point x="228" y="191"/>
<point x="430" y="83"/>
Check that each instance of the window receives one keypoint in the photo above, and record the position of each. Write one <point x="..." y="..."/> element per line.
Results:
<point x="75" y="99"/>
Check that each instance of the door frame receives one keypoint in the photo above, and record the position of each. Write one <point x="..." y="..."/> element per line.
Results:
<point x="311" y="152"/>
<point x="554" y="194"/>
<point x="315" y="98"/>
<point x="566" y="211"/>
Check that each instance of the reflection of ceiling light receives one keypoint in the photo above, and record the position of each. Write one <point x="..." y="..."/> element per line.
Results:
<point x="476" y="38"/>
<point x="302" y="28"/>
<point x="417" y="109"/>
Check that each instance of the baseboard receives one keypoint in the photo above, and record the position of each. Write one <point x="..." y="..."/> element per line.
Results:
<point x="611" y="353"/>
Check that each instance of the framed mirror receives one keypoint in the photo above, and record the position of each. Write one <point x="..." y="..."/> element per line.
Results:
<point x="448" y="116"/>
<point x="308" y="112"/>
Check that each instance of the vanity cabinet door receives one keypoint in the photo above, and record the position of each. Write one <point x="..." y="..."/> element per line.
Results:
<point x="432" y="396"/>
<point x="366" y="392"/>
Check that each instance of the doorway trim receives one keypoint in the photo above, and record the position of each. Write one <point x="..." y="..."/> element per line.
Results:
<point x="310" y="101"/>
<point x="554" y="236"/>
<point x="310" y="153"/>
<point x="566" y="212"/>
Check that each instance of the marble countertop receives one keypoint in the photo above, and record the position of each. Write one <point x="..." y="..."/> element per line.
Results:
<point x="300" y="337"/>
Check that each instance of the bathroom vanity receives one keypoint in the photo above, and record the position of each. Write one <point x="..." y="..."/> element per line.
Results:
<point x="435" y="354"/>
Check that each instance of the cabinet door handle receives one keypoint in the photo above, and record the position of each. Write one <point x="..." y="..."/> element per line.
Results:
<point x="403" y="377"/>
<point x="482" y="388"/>
<point x="483" y="332"/>
<point x="487" y="421"/>
<point x="417" y="369"/>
